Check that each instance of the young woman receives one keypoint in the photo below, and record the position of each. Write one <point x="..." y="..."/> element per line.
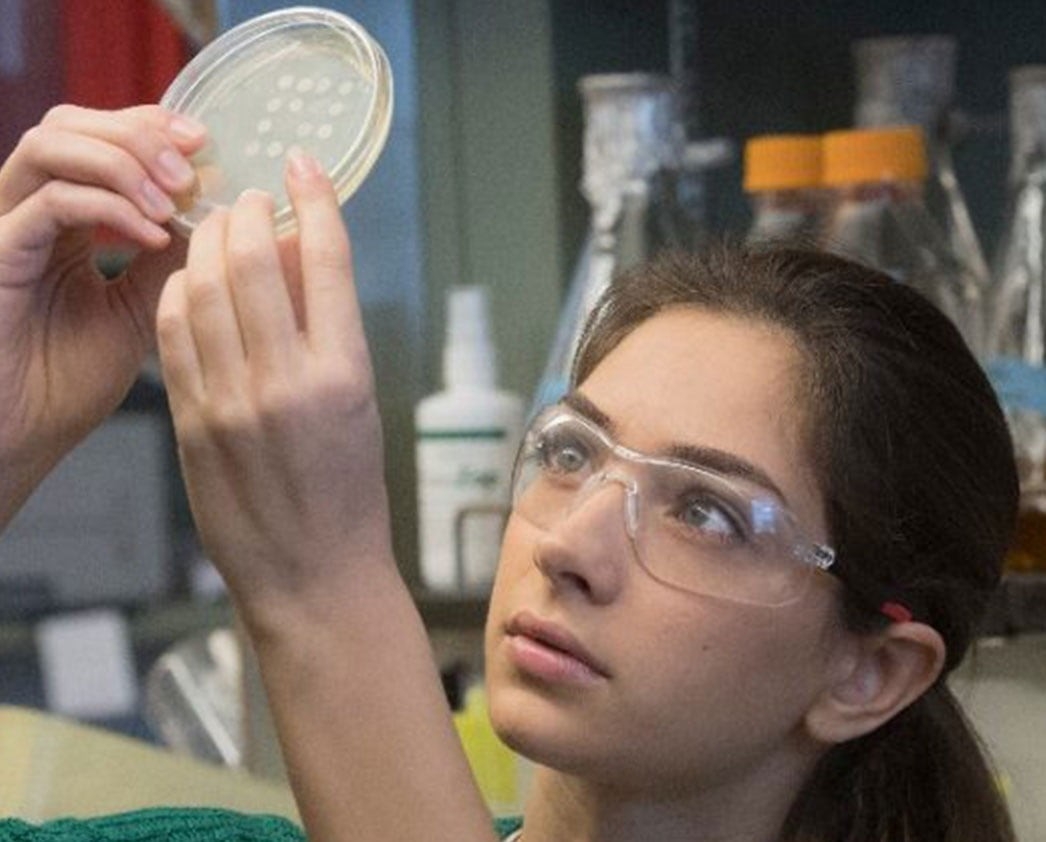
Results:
<point x="745" y="551"/>
<point x="801" y="687"/>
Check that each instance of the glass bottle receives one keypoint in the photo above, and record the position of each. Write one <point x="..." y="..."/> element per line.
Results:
<point x="633" y="150"/>
<point x="910" y="80"/>
<point x="1017" y="331"/>
<point x="782" y="177"/>
<point x="877" y="215"/>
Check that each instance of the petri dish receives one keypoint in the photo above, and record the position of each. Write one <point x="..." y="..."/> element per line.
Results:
<point x="298" y="77"/>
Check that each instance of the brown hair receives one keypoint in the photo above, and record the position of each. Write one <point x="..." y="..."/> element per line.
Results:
<point x="915" y="464"/>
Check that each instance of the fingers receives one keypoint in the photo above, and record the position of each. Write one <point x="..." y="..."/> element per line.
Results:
<point x="235" y="298"/>
<point x="239" y="292"/>
<point x="80" y="159"/>
<point x="259" y="289"/>
<point x="329" y="293"/>
<point x="139" y="153"/>
<point x="60" y="204"/>
<point x="214" y="326"/>
<point x="177" y="348"/>
<point x="290" y="260"/>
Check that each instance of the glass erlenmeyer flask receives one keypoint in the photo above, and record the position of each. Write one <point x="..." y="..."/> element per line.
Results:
<point x="910" y="80"/>
<point x="633" y="150"/>
<point x="877" y="215"/>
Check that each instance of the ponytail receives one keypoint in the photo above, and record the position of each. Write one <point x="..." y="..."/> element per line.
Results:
<point x="921" y="777"/>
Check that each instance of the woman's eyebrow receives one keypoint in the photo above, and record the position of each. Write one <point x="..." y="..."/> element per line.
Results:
<point x="708" y="458"/>
<point x="723" y="462"/>
<point x="584" y="407"/>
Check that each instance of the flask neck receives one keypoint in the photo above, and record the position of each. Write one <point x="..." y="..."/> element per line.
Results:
<point x="632" y="132"/>
<point x="785" y="214"/>
<point x="906" y="81"/>
<point x="886" y="192"/>
<point x="1027" y="121"/>
<point x="631" y="227"/>
<point x="808" y="199"/>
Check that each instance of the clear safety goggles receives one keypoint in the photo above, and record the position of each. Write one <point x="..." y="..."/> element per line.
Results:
<point x="691" y="528"/>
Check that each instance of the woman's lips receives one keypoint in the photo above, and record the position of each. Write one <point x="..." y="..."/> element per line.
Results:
<point x="547" y="651"/>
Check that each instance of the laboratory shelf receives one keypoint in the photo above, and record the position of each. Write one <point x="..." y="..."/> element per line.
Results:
<point x="155" y="626"/>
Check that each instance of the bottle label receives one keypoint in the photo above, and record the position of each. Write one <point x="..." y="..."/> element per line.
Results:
<point x="463" y="501"/>
<point x="1020" y="385"/>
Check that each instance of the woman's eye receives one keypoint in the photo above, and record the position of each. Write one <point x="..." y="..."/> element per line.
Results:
<point x="709" y="518"/>
<point x="563" y="454"/>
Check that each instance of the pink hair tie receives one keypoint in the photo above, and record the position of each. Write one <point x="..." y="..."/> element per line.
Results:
<point x="896" y="611"/>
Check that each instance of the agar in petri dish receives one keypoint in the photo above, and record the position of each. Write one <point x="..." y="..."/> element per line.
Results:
<point x="298" y="77"/>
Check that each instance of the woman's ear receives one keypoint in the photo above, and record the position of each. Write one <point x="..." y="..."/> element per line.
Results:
<point x="883" y="674"/>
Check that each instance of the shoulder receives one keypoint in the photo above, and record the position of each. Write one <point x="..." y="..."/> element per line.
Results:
<point x="166" y="824"/>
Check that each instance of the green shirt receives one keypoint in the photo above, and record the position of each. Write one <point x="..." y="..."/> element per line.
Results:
<point x="166" y="824"/>
<point x="180" y="824"/>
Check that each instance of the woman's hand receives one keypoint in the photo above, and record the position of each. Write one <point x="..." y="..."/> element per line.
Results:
<point x="272" y="394"/>
<point x="71" y="343"/>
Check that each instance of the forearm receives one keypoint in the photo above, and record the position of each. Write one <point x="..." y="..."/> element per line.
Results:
<point x="280" y="441"/>
<point x="363" y="721"/>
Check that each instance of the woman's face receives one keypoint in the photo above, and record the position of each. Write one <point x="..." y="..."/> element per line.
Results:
<point x="668" y="686"/>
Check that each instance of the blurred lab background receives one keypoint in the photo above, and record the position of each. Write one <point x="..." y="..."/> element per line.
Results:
<point x="110" y="616"/>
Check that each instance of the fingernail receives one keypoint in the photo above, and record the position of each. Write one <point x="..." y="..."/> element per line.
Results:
<point x="302" y="164"/>
<point x="253" y="193"/>
<point x="156" y="200"/>
<point x="152" y="231"/>
<point x="185" y="128"/>
<point x="175" y="167"/>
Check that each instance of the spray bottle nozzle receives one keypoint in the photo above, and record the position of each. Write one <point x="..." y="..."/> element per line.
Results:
<point x="468" y="354"/>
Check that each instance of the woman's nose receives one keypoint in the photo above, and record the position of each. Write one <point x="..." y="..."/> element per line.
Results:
<point x="589" y="550"/>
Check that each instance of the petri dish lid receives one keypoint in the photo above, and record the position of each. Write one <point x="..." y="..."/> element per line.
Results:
<point x="298" y="77"/>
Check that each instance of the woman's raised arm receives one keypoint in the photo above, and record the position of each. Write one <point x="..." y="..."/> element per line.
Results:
<point x="279" y="435"/>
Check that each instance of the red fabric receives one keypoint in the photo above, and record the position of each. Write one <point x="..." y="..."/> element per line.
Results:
<point x="118" y="53"/>
<point x="115" y="54"/>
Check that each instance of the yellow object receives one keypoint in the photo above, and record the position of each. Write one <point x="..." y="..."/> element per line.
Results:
<point x="861" y="156"/>
<point x="782" y="162"/>
<point x="52" y="767"/>
<point x="499" y="772"/>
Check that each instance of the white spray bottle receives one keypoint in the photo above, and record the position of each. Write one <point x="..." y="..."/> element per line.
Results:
<point x="467" y="437"/>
